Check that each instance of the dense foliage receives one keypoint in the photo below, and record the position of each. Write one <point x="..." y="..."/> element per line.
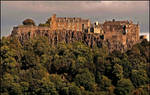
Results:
<point x="44" y="25"/>
<point x="34" y="67"/>
<point x="28" y="22"/>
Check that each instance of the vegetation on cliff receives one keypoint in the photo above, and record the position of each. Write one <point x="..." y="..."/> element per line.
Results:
<point x="28" y="22"/>
<point x="34" y="67"/>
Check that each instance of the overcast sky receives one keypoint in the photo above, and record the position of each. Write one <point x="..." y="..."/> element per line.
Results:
<point x="14" y="12"/>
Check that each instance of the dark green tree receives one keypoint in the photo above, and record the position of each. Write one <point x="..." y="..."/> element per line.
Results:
<point x="124" y="87"/>
<point x="139" y="78"/>
<point x="28" y="22"/>
<point x="85" y="79"/>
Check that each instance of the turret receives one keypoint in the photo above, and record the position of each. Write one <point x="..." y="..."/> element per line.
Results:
<point x="53" y="22"/>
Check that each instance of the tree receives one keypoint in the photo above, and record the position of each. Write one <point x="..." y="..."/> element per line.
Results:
<point x="6" y="81"/>
<point x="32" y="67"/>
<point x="64" y="91"/>
<point x="127" y="67"/>
<point x="58" y="81"/>
<point x="8" y="62"/>
<point x="85" y="79"/>
<point x="25" y="87"/>
<point x="44" y="25"/>
<point x="29" y="60"/>
<point x="144" y="90"/>
<point x="46" y="88"/>
<point x="41" y="45"/>
<point x="139" y="77"/>
<point x="15" y="89"/>
<point x="48" y="21"/>
<point x="74" y="90"/>
<point x="117" y="72"/>
<point x="28" y="22"/>
<point x="9" y="85"/>
<point x="105" y="83"/>
<point x="123" y="87"/>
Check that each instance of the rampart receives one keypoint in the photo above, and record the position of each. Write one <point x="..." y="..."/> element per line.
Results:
<point x="118" y="35"/>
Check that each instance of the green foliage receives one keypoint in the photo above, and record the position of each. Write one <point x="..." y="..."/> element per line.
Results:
<point x="35" y="67"/>
<point x="139" y="77"/>
<point x="58" y="81"/>
<point x="127" y="67"/>
<point x="48" y="21"/>
<point x="46" y="87"/>
<point x="118" y="72"/>
<point x="143" y="90"/>
<point x="123" y="87"/>
<point x="85" y="79"/>
<point x="105" y="83"/>
<point x="44" y="25"/>
<point x="28" y="22"/>
<point x="74" y="90"/>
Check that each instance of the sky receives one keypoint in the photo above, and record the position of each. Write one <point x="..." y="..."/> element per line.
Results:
<point x="14" y="12"/>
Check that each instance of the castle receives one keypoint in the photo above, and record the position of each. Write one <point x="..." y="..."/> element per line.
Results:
<point x="74" y="24"/>
<point x="118" y="35"/>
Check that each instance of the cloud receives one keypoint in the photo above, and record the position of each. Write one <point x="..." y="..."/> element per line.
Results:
<point x="77" y="6"/>
<point x="13" y="12"/>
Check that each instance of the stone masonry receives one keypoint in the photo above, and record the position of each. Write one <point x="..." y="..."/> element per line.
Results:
<point x="118" y="35"/>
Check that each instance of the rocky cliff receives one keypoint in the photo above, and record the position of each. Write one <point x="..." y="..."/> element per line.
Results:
<point x="90" y="39"/>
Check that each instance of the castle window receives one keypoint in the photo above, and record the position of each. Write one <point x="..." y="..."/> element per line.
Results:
<point x="82" y="26"/>
<point x="102" y="36"/>
<point x="29" y="33"/>
<point x="46" y="35"/>
<point x="92" y="29"/>
<point x="124" y="29"/>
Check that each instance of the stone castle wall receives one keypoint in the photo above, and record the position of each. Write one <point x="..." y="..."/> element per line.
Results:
<point x="123" y="32"/>
<point x="118" y="35"/>
<point x="74" y="24"/>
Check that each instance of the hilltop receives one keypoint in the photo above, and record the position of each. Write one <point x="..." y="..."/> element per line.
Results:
<point x="117" y="35"/>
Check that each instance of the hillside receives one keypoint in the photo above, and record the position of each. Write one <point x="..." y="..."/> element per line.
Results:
<point x="37" y="67"/>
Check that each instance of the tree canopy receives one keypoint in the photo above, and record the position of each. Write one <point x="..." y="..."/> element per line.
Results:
<point x="28" y="22"/>
<point x="38" y="68"/>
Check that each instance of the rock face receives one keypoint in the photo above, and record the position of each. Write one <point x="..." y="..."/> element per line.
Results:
<point x="68" y="36"/>
<point x="56" y="36"/>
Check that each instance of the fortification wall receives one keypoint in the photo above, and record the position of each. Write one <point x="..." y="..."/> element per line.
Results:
<point x="117" y="35"/>
<point x="74" y="24"/>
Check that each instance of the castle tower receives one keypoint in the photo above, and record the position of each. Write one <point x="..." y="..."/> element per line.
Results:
<point x="137" y="32"/>
<point x="53" y="24"/>
<point x="89" y="23"/>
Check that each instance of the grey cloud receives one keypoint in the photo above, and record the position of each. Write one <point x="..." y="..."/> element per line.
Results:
<point x="13" y="13"/>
